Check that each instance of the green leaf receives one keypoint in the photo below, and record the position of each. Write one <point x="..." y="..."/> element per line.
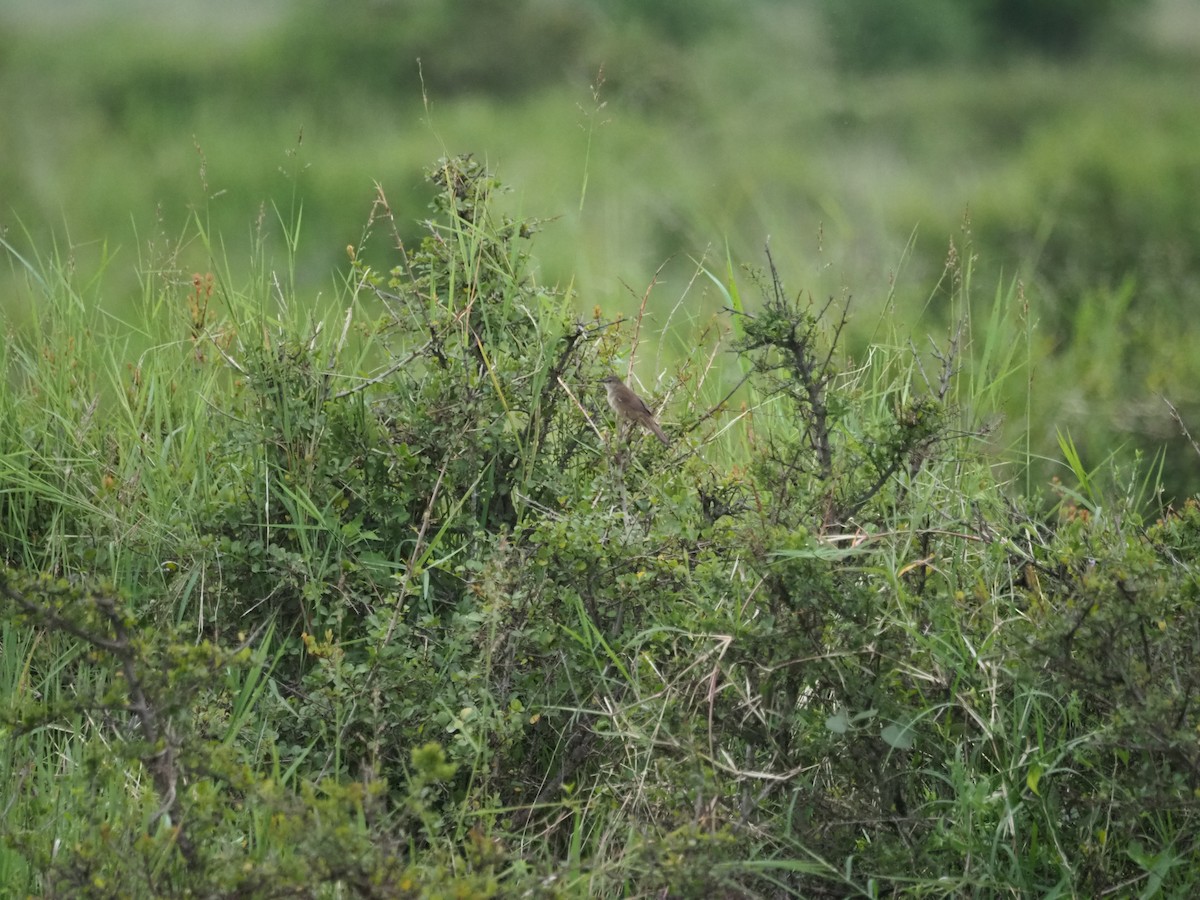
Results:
<point x="1033" y="777"/>
<point x="839" y="722"/>
<point x="898" y="736"/>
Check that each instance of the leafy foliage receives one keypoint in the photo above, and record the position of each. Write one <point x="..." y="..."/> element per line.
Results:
<point x="873" y="36"/>
<point x="426" y="623"/>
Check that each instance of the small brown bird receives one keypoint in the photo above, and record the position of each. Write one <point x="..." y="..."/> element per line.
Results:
<point x="628" y="405"/>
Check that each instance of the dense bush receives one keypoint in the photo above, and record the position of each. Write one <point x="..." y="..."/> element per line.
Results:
<point x="468" y="46"/>
<point x="872" y="36"/>
<point x="376" y="601"/>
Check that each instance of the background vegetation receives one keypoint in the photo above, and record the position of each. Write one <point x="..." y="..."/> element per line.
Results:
<point x="329" y="574"/>
<point x="859" y="146"/>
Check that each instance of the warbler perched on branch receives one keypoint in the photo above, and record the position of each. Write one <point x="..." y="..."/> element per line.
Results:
<point x="629" y="406"/>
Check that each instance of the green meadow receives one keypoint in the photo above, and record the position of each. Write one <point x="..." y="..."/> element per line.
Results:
<point x="325" y="570"/>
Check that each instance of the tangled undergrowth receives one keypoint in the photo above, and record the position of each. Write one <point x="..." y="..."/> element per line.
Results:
<point x="377" y="601"/>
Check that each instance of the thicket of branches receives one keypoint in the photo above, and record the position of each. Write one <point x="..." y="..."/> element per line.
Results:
<point x="390" y="607"/>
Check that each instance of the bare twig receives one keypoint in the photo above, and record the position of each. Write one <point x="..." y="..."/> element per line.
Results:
<point x="1182" y="427"/>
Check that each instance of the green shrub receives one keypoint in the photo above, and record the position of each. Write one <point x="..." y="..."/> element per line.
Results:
<point x="468" y="46"/>
<point x="379" y="602"/>
<point x="872" y="36"/>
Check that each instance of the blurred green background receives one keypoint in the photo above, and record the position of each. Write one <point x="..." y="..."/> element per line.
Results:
<point x="1056" y="139"/>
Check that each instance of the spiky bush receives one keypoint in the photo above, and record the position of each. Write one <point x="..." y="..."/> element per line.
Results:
<point x="375" y="599"/>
